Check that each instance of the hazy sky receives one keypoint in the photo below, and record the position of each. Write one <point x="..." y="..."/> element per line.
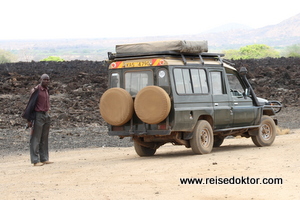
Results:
<point x="43" y="19"/>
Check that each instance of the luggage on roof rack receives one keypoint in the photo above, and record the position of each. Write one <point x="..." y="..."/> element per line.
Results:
<point x="162" y="47"/>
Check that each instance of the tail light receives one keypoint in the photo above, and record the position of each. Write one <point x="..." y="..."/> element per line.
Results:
<point x="117" y="128"/>
<point x="161" y="126"/>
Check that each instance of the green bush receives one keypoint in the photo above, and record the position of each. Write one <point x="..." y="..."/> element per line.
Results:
<point x="7" y="57"/>
<point x="255" y="51"/>
<point x="292" y="51"/>
<point x="53" y="58"/>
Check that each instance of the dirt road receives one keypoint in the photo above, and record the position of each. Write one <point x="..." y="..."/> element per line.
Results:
<point x="118" y="173"/>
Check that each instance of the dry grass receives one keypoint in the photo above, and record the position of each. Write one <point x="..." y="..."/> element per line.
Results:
<point x="281" y="131"/>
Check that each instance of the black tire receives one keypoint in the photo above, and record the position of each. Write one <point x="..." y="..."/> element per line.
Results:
<point x="143" y="151"/>
<point x="218" y="140"/>
<point x="203" y="138"/>
<point x="266" y="133"/>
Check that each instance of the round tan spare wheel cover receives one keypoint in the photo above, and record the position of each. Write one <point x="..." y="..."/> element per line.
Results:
<point x="116" y="106"/>
<point x="152" y="104"/>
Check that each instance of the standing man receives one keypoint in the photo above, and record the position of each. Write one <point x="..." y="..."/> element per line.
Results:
<point x="38" y="118"/>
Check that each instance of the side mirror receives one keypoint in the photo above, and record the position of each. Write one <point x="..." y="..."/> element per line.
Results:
<point x="243" y="71"/>
<point x="246" y="93"/>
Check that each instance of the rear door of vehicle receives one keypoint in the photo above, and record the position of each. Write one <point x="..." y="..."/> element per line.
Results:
<point x="190" y="95"/>
<point x="223" y="116"/>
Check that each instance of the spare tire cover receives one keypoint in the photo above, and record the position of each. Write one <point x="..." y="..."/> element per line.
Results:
<point x="152" y="104"/>
<point x="116" y="106"/>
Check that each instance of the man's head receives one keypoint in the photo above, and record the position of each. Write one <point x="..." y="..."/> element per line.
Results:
<point x="45" y="79"/>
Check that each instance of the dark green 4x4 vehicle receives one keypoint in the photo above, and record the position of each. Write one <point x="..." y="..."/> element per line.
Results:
<point x="174" y="91"/>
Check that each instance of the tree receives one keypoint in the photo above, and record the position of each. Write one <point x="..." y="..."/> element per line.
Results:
<point x="255" y="51"/>
<point x="7" y="57"/>
<point x="232" y="54"/>
<point x="53" y="58"/>
<point x="292" y="51"/>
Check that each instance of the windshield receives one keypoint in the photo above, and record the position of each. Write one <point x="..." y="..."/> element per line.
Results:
<point x="236" y="85"/>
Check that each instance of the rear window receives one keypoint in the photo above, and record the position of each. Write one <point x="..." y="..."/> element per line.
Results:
<point x="137" y="80"/>
<point x="115" y="80"/>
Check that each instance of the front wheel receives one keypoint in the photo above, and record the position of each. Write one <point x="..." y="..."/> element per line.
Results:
<point x="203" y="138"/>
<point x="266" y="133"/>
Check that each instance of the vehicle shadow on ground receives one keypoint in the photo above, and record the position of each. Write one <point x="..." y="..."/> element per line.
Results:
<point x="235" y="147"/>
<point x="189" y="152"/>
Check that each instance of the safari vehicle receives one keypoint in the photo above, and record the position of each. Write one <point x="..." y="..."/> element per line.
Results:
<point x="175" y="92"/>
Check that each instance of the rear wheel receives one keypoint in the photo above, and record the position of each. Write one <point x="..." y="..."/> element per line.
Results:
<point x="203" y="139"/>
<point x="143" y="151"/>
<point x="266" y="133"/>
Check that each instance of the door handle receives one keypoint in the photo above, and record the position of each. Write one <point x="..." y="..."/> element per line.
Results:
<point x="236" y="103"/>
<point x="216" y="104"/>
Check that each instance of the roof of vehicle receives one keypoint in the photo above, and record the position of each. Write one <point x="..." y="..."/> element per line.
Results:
<point x="174" y="52"/>
<point x="168" y="59"/>
<point x="147" y="48"/>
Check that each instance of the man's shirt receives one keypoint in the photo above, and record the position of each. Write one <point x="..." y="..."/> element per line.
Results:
<point x="43" y="103"/>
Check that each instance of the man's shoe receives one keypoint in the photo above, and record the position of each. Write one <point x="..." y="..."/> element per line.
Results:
<point x="47" y="162"/>
<point x="38" y="164"/>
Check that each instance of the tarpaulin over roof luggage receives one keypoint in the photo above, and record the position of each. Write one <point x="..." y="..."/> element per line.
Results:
<point x="177" y="46"/>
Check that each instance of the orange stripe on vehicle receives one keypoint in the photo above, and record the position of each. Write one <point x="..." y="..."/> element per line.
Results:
<point x="155" y="62"/>
<point x="120" y="64"/>
<point x="116" y="65"/>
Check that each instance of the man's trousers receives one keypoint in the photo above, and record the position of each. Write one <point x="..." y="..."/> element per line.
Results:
<point x="39" y="138"/>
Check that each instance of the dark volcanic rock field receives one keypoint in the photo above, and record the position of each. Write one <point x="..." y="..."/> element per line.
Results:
<point x="76" y="87"/>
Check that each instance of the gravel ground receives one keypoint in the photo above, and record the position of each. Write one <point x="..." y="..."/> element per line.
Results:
<point x="14" y="141"/>
<point x="288" y="118"/>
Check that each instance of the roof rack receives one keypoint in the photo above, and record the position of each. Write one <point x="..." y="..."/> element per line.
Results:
<point x="116" y="57"/>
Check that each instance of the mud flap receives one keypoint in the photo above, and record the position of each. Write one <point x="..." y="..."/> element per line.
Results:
<point x="253" y="132"/>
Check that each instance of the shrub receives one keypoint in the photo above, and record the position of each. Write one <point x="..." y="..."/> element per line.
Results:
<point x="292" y="51"/>
<point x="53" y="58"/>
<point x="255" y="51"/>
<point x="7" y="57"/>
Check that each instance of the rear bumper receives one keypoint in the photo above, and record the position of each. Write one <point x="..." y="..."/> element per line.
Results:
<point x="140" y="133"/>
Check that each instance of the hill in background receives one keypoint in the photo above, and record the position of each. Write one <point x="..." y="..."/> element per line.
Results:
<point x="230" y="36"/>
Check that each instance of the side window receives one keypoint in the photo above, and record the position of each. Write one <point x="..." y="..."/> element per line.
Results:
<point x="163" y="80"/>
<point x="199" y="81"/>
<point x="196" y="81"/>
<point x="190" y="81"/>
<point x="203" y="80"/>
<point x="217" y="83"/>
<point x="187" y="81"/>
<point x="179" y="81"/>
<point x="137" y="80"/>
<point x="236" y="87"/>
<point x="115" y="80"/>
